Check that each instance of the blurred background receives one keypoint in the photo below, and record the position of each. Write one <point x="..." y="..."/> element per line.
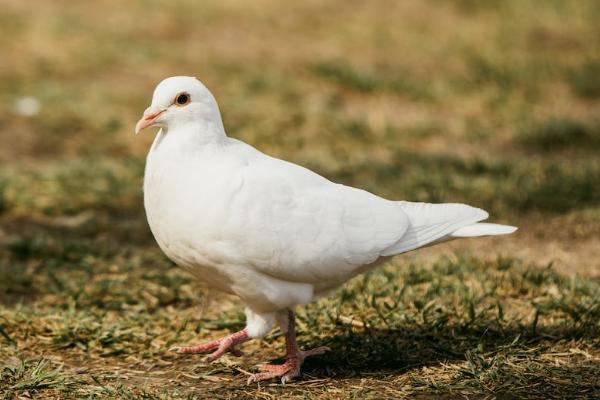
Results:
<point x="492" y="103"/>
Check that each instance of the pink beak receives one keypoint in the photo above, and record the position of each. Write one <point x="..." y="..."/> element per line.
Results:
<point x="148" y="118"/>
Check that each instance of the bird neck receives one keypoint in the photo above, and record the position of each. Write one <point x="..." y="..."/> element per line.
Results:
<point x="194" y="135"/>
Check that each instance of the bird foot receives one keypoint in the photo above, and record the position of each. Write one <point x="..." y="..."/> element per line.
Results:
<point x="289" y="370"/>
<point x="218" y="347"/>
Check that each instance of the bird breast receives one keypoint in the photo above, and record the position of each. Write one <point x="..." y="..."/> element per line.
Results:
<point x="186" y="202"/>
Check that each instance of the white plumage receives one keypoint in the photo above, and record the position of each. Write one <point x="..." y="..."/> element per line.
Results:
<point x="271" y="232"/>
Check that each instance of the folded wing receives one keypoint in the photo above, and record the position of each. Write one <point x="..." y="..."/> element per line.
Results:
<point x="308" y="229"/>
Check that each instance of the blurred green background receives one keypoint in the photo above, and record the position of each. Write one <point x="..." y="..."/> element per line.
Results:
<point x="493" y="103"/>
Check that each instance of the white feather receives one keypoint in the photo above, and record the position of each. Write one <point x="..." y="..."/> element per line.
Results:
<point x="483" y="229"/>
<point x="430" y="222"/>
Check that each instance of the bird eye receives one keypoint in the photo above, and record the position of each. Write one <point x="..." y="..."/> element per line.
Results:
<point x="182" y="99"/>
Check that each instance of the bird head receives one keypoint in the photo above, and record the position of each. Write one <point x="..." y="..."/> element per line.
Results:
<point x="179" y="100"/>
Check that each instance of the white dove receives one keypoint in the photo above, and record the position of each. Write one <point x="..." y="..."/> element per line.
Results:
<point x="273" y="233"/>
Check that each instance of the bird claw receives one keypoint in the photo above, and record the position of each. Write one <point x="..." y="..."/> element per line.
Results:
<point x="287" y="371"/>
<point x="218" y="347"/>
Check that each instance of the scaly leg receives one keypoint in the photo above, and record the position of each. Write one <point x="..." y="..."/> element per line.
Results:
<point x="218" y="347"/>
<point x="293" y="359"/>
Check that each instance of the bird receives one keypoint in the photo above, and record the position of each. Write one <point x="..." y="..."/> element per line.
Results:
<point x="271" y="232"/>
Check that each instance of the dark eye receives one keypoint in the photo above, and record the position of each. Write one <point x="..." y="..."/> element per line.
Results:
<point x="182" y="99"/>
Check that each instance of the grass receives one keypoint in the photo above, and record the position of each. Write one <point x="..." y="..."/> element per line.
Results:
<point x="584" y="80"/>
<point x="32" y="375"/>
<point x="392" y="81"/>
<point x="459" y="325"/>
<point x="489" y="103"/>
<point x="561" y="134"/>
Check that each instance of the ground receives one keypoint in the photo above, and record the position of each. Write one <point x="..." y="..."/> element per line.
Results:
<point x="494" y="103"/>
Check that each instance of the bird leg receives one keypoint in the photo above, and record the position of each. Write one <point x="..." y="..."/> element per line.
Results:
<point x="293" y="359"/>
<point x="218" y="347"/>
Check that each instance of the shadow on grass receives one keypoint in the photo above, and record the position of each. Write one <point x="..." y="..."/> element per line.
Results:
<point x="396" y="351"/>
<point x="516" y="363"/>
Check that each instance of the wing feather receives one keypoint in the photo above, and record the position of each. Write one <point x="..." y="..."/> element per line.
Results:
<point x="307" y="228"/>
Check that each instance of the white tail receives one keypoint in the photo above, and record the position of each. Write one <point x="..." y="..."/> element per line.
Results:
<point x="483" y="229"/>
<point x="435" y="223"/>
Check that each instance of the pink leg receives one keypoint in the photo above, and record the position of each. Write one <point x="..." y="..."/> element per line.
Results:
<point x="293" y="359"/>
<point x="218" y="347"/>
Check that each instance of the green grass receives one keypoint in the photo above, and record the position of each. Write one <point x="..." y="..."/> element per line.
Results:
<point x="585" y="80"/>
<point x="562" y="134"/>
<point x="32" y="375"/>
<point x="490" y="103"/>
<point x="392" y="81"/>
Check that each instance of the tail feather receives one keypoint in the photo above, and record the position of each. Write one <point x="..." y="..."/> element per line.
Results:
<point x="434" y="223"/>
<point x="483" y="229"/>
